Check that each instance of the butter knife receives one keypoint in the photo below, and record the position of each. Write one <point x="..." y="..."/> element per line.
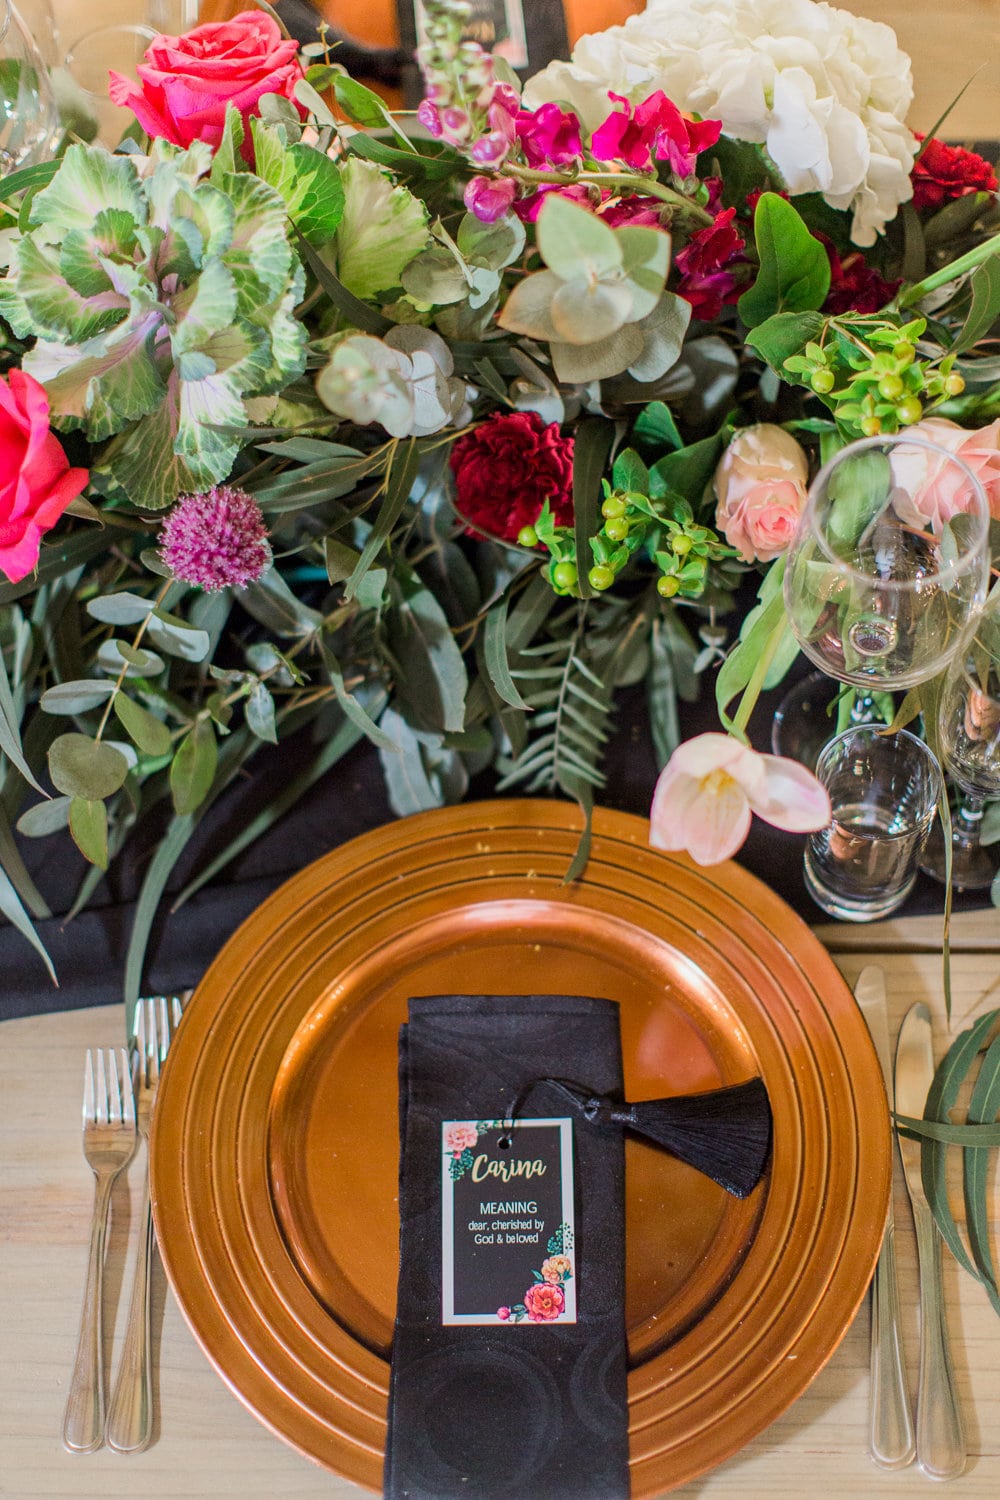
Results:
<point x="940" y="1438"/>
<point x="890" y="1435"/>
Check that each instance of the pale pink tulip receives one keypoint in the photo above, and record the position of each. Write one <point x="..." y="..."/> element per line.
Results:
<point x="710" y="786"/>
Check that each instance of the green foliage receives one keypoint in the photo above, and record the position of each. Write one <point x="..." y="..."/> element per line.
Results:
<point x="794" y="273"/>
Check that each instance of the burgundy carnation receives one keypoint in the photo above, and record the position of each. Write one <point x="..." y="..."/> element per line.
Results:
<point x="506" y="470"/>
<point x="946" y="172"/>
<point x="855" y="286"/>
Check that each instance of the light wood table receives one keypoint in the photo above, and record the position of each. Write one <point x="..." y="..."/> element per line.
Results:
<point x="209" y="1445"/>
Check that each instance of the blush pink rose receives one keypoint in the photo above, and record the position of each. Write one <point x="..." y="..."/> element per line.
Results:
<point x="36" y="481"/>
<point x="760" y="486"/>
<point x="186" y="82"/>
<point x="930" y="489"/>
<point x="459" y="1138"/>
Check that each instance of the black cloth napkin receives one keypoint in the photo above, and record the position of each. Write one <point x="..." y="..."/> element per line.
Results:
<point x="532" y="1412"/>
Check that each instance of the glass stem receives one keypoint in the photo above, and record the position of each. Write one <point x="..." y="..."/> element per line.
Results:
<point x="967" y="821"/>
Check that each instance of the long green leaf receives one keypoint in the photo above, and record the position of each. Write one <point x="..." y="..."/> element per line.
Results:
<point x="10" y="729"/>
<point x="17" y="871"/>
<point x="333" y="749"/>
<point x="591" y="447"/>
<point x="941" y="1098"/>
<point x="359" y="314"/>
<point x="495" y="655"/>
<point x="400" y="479"/>
<point x="984" y="1107"/>
<point x="10" y="905"/>
<point x="353" y="709"/>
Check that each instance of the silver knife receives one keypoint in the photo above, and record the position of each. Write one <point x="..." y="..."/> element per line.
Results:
<point x="940" y="1438"/>
<point x="890" y="1420"/>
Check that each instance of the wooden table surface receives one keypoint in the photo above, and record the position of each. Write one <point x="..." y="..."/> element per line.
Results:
<point x="209" y="1445"/>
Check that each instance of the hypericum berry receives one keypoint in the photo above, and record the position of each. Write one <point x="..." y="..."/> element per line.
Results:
<point x="527" y="537"/>
<point x="954" y="385"/>
<point x="564" y="575"/>
<point x="822" y="382"/>
<point x="613" y="507"/>
<point x="909" y="411"/>
<point x="601" y="577"/>
<point x="682" y="544"/>
<point x="667" y="586"/>
<point x="904" y="352"/>
<point x="617" y="528"/>
<point x="890" y="387"/>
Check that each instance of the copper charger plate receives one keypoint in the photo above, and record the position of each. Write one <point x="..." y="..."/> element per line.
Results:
<point x="274" y="1149"/>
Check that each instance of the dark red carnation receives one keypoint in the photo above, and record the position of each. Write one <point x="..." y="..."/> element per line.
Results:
<point x="855" y="286"/>
<point x="506" y="470"/>
<point x="946" y="172"/>
<point x="636" y="208"/>
<point x="712" y="266"/>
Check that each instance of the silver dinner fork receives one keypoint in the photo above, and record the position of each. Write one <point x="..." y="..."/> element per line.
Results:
<point x="108" y="1145"/>
<point x="130" y="1414"/>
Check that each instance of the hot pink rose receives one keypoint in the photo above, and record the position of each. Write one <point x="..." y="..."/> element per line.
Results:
<point x="760" y="485"/>
<point x="36" y="481"/>
<point x="186" y="82"/>
<point x="929" y="488"/>
<point x="544" y="1302"/>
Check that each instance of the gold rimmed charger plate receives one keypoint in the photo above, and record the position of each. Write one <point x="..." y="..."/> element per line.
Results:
<point x="274" y="1150"/>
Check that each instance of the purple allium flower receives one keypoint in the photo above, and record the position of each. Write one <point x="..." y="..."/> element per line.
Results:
<point x="216" y="540"/>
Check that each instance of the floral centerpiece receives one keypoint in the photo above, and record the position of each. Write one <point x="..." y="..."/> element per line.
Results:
<point x="438" y="431"/>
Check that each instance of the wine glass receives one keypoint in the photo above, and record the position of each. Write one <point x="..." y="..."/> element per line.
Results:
<point x="29" y="120"/>
<point x="969" y="735"/>
<point x="887" y="570"/>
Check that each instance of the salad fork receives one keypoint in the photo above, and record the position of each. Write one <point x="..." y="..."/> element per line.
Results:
<point x="108" y="1146"/>
<point x="130" y="1414"/>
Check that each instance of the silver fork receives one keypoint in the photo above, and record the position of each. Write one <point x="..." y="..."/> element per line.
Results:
<point x="130" y="1415"/>
<point x="108" y="1146"/>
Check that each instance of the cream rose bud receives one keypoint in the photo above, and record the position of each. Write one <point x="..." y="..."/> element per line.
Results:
<point x="929" y="488"/>
<point x="760" y="485"/>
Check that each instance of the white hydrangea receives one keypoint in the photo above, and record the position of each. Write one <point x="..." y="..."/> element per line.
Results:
<point x="825" y="92"/>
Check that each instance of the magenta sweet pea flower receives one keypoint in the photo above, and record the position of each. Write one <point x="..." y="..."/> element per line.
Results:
<point x="637" y="208"/>
<point x="712" y="784"/>
<point x="489" y="198"/>
<point x="549" y="136"/>
<point x="657" y="128"/>
<point x="528" y="209"/>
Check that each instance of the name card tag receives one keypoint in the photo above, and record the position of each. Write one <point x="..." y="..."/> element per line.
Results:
<point x="507" y="1222"/>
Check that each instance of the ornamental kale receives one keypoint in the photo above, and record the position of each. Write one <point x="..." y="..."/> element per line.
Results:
<point x="162" y="294"/>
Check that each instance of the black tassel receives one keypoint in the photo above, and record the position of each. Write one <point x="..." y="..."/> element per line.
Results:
<point x="725" y="1133"/>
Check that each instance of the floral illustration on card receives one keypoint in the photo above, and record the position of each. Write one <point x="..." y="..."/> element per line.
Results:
<point x="545" y="1300"/>
<point x="460" y="1136"/>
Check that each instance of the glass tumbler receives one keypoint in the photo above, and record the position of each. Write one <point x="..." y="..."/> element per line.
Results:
<point x="883" y="792"/>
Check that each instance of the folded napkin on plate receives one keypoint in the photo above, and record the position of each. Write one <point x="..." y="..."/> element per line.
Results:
<point x="525" y="1405"/>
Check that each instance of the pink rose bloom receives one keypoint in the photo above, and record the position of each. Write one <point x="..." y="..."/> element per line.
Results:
<point x="503" y="1313"/>
<point x="36" y="481"/>
<point x="710" y="786"/>
<point x="929" y="489"/>
<point x="544" y="1302"/>
<point x="186" y="82"/>
<point x="459" y="1138"/>
<point x="760" y="485"/>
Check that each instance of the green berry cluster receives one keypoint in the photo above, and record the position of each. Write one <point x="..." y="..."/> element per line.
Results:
<point x="869" y="372"/>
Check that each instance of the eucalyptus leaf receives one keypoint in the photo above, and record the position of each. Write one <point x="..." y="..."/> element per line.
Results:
<point x="119" y="609"/>
<point x="260" y="713"/>
<point x="150" y="733"/>
<point x="192" y="770"/>
<point x="44" y="818"/>
<point x="88" y="824"/>
<point x="82" y="767"/>
<point x="114" y="656"/>
<point x="495" y="655"/>
<point x="76" y="697"/>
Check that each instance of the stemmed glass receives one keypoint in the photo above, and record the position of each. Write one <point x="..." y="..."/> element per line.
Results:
<point x="889" y="565"/>
<point x="969" y="737"/>
<point x="29" y="121"/>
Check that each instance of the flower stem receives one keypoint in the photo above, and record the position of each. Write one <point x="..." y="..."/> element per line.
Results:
<point x="966" y="262"/>
<point x="752" y="690"/>
<point x="136" y="642"/>
<point x="629" y="180"/>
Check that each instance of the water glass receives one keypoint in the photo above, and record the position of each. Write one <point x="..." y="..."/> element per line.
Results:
<point x="29" y="121"/>
<point x="883" y="792"/>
